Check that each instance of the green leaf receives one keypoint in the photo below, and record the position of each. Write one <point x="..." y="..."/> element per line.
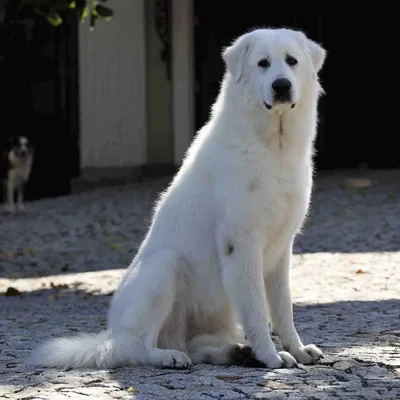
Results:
<point x="55" y="19"/>
<point x="72" y="5"/>
<point x="103" y="11"/>
<point x="84" y="13"/>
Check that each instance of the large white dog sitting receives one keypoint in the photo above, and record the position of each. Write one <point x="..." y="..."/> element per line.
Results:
<point x="214" y="268"/>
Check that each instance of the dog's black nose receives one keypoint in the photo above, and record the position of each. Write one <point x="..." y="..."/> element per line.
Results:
<point x="281" y="87"/>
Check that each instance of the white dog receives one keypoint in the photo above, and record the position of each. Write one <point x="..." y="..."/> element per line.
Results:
<point x="219" y="248"/>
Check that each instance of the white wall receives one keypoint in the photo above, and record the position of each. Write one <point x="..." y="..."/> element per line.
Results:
<point x="113" y="89"/>
<point x="183" y="76"/>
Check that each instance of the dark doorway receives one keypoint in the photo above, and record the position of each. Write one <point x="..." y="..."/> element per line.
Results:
<point x="39" y="97"/>
<point x="348" y="127"/>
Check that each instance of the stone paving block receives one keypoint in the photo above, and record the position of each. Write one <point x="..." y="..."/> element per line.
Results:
<point x="64" y="257"/>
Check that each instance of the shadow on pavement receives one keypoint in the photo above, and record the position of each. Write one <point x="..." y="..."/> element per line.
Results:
<point x="360" y="340"/>
<point x="351" y="212"/>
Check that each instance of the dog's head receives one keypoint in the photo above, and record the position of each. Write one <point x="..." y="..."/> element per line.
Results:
<point x="20" y="147"/>
<point x="274" y="66"/>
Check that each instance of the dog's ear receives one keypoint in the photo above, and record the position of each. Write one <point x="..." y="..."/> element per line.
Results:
<point x="314" y="51"/>
<point x="235" y="55"/>
<point x="317" y="54"/>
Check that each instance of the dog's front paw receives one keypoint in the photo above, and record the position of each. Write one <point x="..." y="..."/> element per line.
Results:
<point x="287" y="360"/>
<point x="10" y="208"/>
<point x="278" y="360"/>
<point x="21" y="208"/>
<point x="308" y="354"/>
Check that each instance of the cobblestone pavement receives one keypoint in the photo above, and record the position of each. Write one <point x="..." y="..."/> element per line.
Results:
<point x="61" y="260"/>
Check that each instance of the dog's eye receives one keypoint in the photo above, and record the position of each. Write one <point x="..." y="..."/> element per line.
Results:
<point x="264" y="63"/>
<point x="291" y="61"/>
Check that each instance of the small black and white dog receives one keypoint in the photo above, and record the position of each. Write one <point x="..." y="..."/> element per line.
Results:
<point x="16" y="169"/>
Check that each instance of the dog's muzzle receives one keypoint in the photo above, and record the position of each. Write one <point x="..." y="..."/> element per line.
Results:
<point x="282" y="92"/>
<point x="21" y="153"/>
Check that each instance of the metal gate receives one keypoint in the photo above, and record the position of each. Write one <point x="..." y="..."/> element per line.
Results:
<point x="39" y="97"/>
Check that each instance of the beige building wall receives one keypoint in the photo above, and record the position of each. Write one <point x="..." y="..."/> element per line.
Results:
<point x="183" y="76"/>
<point x="113" y="89"/>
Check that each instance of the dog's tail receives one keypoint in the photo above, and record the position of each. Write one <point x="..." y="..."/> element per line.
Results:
<point x="100" y="351"/>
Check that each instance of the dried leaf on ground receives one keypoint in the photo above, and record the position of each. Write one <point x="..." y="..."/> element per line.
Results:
<point x="361" y="271"/>
<point x="12" y="292"/>
<point x="59" y="286"/>
<point x="358" y="183"/>
<point x="65" y="267"/>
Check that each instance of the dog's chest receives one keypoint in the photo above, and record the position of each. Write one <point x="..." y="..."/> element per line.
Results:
<point x="19" y="175"/>
<point x="285" y="203"/>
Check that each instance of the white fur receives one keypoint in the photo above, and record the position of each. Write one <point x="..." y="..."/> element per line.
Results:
<point x="218" y="251"/>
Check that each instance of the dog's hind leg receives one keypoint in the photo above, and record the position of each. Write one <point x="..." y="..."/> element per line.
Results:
<point x="144" y="302"/>
<point x="218" y="349"/>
